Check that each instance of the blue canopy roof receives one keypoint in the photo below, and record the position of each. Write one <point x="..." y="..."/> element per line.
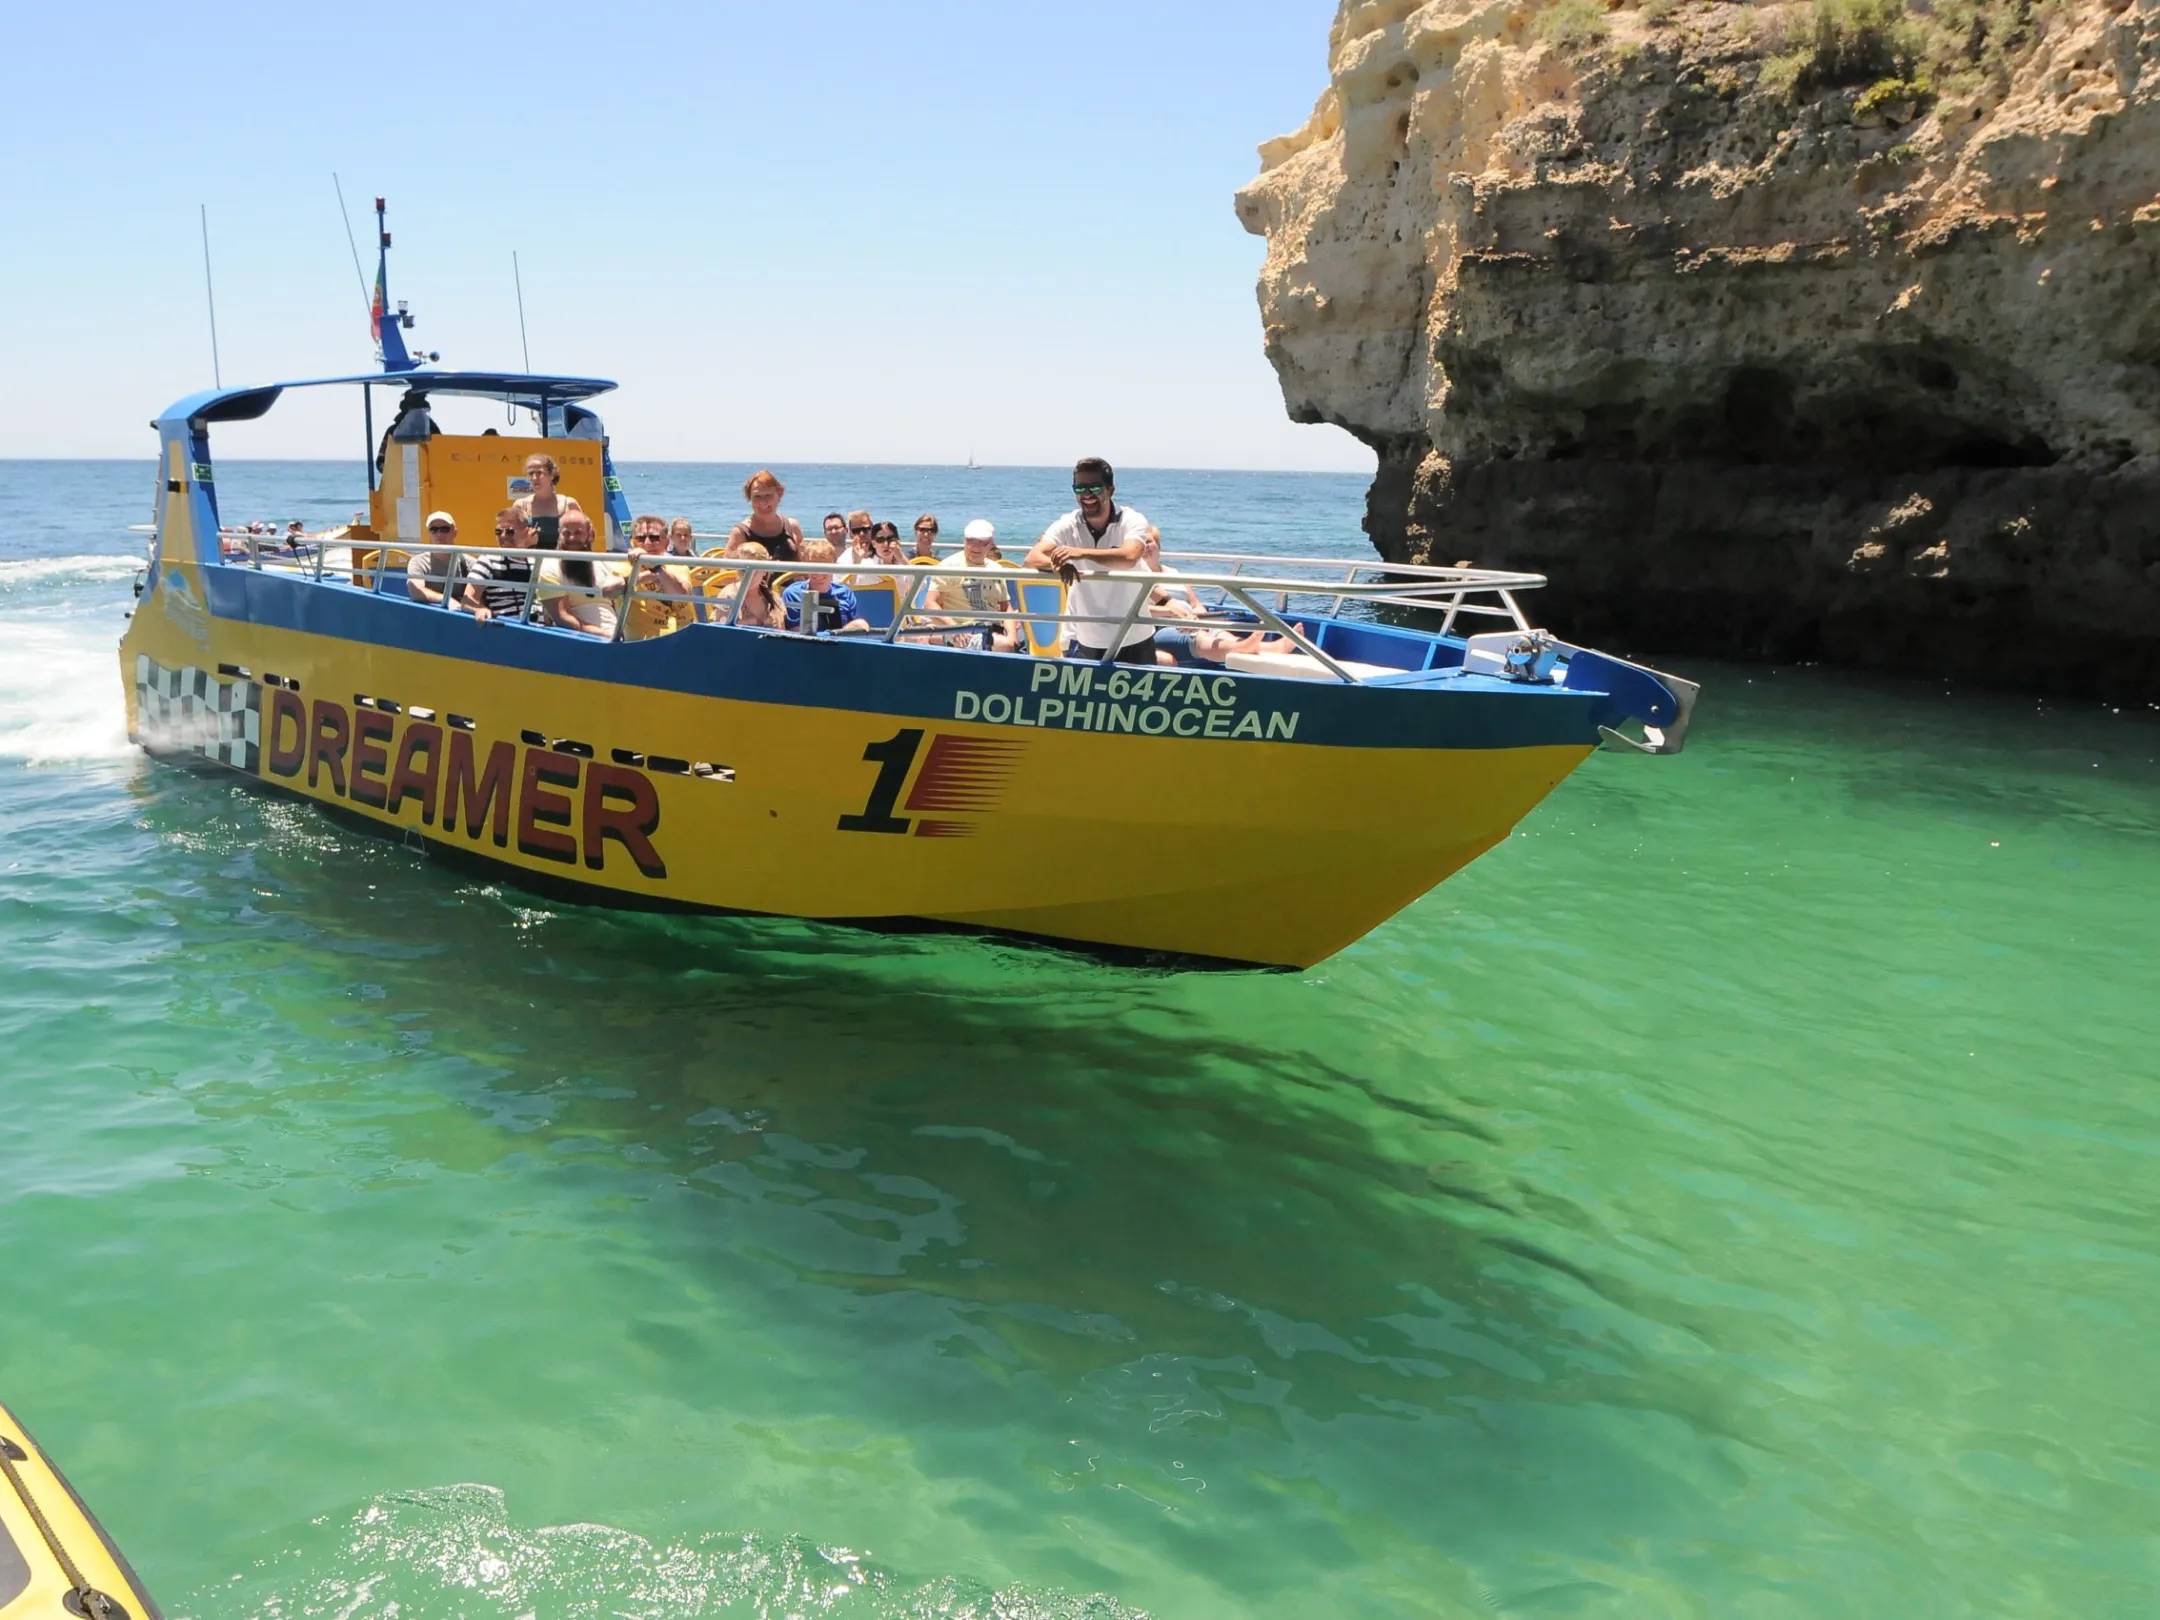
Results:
<point x="520" y="388"/>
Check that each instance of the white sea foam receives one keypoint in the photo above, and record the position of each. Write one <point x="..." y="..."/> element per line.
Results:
<point x="60" y="692"/>
<point x="18" y="572"/>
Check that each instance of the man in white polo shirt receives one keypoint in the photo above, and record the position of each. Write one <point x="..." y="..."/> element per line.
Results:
<point x="1089" y="545"/>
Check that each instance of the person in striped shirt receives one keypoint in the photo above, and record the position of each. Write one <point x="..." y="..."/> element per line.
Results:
<point x="498" y="586"/>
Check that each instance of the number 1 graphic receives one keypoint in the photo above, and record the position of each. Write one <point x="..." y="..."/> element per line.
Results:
<point x="893" y="756"/>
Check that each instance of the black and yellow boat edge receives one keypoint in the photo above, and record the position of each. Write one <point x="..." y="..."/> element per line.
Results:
<point x="55" y="1558"/>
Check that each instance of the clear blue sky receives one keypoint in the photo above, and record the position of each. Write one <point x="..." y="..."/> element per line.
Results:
<point x="792" y="232"/>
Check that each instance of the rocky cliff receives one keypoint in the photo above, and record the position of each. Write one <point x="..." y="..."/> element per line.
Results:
<point x="1819" y="330"/>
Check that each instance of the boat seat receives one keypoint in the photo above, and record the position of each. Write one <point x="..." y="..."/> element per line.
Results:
<point x="879" y="600"/>
<point x="1299" y="666"/>
<point x="719" y="584"/>
<point x="366" y="563"/>
<point x="1040" y="593"/>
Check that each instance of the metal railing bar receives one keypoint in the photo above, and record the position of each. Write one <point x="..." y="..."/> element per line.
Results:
<point x="1297" y="639"/>
<point x="1448" y="590"/>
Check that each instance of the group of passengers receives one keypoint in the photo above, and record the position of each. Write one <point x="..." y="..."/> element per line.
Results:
<point x="248" y="541"/>
<point x="582" y="589"/>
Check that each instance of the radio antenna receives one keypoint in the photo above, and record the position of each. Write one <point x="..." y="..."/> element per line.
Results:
<point x="520" y="280"/>
<point x="345" y="214"/>
<point x="217" y="372"/>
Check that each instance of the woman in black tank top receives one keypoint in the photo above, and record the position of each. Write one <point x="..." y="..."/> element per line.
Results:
<point x="779" y="534"/>
<point x="545" y="507"/>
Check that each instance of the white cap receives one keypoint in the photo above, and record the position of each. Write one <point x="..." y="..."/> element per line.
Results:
<point x="434" y="518"/>
<point x="979" y="529"/>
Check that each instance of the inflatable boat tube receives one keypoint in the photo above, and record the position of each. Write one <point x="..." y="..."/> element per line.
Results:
<point x="55" y="1560"/>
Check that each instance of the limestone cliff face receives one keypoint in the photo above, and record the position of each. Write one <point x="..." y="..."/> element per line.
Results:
<point x="1851" y="373"/>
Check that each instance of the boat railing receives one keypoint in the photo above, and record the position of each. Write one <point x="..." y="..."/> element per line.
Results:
<point x="1235" y="590"/>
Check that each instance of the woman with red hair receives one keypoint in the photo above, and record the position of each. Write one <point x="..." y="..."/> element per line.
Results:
<point x="778" y="533"/>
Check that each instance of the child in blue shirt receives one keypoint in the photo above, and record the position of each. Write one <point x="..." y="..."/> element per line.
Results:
<point x="833" y="605"/>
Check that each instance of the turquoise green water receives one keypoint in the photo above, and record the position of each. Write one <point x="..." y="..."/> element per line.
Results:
<point x="1736" y="1195"/>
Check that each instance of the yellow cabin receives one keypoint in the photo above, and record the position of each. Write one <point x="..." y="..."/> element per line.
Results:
<point x="472" y="477"/>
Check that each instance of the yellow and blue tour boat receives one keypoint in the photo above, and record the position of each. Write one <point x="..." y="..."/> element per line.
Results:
<point x="55" y="1559"/>
<point x="1266" y="810"/>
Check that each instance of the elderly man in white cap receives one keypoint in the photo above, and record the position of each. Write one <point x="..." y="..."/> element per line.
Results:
<point x="984" y="605"/>
<point x="428" y="574"/>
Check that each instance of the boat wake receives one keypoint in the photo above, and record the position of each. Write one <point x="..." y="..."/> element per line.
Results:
<point x="24" y="573"/>
<point x="59" y="703"/>
<point x="454" y="1551"/>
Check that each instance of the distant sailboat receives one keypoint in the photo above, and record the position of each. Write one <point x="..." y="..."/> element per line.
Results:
<point x="971" y="466"/>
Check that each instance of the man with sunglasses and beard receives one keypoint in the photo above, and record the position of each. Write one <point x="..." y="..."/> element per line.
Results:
<point x="1097" y="539"/>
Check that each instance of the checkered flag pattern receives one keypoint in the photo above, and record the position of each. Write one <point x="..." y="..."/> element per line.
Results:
<point x="189" y="710"/>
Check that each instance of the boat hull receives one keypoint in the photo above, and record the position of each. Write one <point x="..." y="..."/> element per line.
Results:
<point x="51" y="1548"/>
<point x="1243" y="819"/>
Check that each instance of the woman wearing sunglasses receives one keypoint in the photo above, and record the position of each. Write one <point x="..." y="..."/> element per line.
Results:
<point x="885" y="544"/>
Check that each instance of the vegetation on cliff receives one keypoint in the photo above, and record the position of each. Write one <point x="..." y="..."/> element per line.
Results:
<point x="1899" y="53"/>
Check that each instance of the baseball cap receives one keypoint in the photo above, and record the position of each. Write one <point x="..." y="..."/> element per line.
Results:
<point x="434" y="518"/>
<point x="979" y="529"/>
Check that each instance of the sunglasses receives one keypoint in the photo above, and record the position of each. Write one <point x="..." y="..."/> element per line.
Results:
<point x="858" y="528"/>
<point x="504" y="534"/>
<point x="654" y="539"/>
<point x="1089" y="489"/>
<point x="446" y="528"/>
<point x="926" y="534"/>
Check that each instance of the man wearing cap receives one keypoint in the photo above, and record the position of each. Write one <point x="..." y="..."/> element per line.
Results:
<point x="427" y="573"/>
<point x="982" y="605"/>
<point x="1087" y="547"/>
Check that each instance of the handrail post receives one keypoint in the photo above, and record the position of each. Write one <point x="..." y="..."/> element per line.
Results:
<point x="1116" y="643"/>
<point x="1454" y="609"/>
<point x="906" y="604"/>
<point x="1349" y="575"/>
<point x="630" y="588"/>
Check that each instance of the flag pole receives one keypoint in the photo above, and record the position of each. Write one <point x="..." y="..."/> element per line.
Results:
<point x="217" y="373"/>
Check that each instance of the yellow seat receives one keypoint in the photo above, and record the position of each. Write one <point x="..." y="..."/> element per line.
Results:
<point x="367" y="563"/>
<point x="701" y="577"/>
<point x="719" y="584"/>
